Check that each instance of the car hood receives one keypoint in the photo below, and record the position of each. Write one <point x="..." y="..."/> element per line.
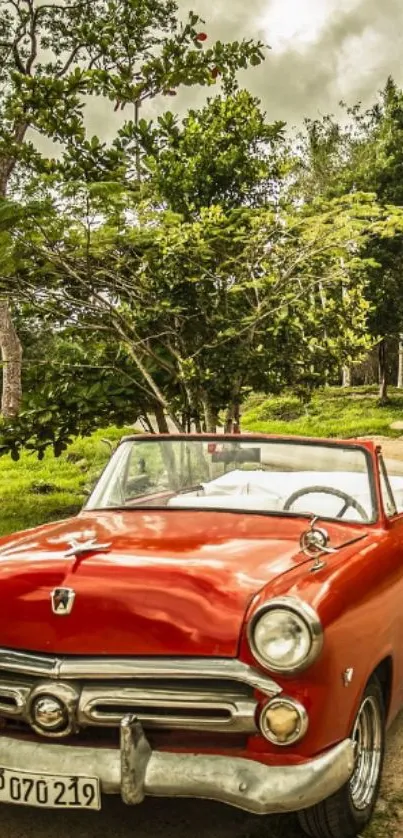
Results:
<point x="169" y="582"/>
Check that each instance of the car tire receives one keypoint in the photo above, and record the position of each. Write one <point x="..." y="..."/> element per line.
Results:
<point x="347" y="812"/>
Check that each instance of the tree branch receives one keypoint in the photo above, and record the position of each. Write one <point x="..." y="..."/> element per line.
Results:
<point x="69" y="61"/>
<point x="33" y="38"/>
<point x="120" y="328"/>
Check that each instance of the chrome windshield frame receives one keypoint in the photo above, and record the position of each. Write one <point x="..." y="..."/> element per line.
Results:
<point x="248" y="438"/>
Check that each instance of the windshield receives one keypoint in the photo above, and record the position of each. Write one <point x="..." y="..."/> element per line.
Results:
<point x="277" y="477"/>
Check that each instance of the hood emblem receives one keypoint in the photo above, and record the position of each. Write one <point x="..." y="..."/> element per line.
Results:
<point x="314" y="544"/>
<point x="78" y="548"/>
<point x="62" y="601"/>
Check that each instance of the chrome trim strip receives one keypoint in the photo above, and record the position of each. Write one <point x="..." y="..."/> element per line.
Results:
<point x="26" y="664"/>
<point x="211" y="711"/>
<point x="18" y="693"/>
<point x="222" y="711"/>
<point x="55" y="668"/>
<point x="135" y="770"/>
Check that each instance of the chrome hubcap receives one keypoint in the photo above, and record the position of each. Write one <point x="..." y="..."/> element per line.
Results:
<point x="367" y="737"/>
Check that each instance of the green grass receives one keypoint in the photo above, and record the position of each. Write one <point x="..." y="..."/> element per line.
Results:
<point x="34" y="492"/>
<point x="333" y="412"/>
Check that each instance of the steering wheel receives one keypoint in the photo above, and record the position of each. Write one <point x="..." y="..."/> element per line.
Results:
<point x="337" y="493"/>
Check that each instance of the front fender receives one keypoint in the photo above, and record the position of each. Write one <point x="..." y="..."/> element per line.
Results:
<point x="357" y="599"/>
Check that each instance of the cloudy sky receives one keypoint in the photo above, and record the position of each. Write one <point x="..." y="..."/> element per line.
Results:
<point x="322" y="51"/>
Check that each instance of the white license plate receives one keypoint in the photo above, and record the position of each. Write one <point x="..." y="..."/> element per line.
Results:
<point x="50" y="791"/>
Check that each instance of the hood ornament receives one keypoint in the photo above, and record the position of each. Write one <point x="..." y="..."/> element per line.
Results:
<point x="62" y="601"/>
<point x="313" y="543"/>
<point x="79" y="548"/>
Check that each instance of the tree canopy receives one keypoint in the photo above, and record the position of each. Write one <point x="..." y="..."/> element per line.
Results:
<point x="53" y="57"/>
<point x="172" y="269"/>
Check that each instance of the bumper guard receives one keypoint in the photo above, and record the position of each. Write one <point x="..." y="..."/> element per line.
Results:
<point x="136" y="771"/>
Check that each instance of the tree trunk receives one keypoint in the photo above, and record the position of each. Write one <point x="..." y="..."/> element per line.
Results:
<point x="145" y="419"/>
<point x="237" y="418"/>
<point x="10" y="345"/>
<point x="400" y="371"/>
<point x="346" y="377"/>
<point x="198" y="426"/>
<point x="8" y="164"/>
<point x="383" y="378"/>
<point x="160" y="398"/>
<point x="137" y="106"/>
<point x="11" y="356"/>
<point x="210" y="416"/>
<point x="161" y="419"/>
<point x="232" y="418"/>
<point x="229" y="419"/>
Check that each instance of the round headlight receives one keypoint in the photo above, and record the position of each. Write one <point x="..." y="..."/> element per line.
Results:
<point x="286" y="635"/>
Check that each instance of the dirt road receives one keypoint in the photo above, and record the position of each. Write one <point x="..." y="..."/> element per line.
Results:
<point x="197" y="819"/>
<point x="153" y="819"/>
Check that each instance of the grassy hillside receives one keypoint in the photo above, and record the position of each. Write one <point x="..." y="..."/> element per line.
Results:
<point x="32" y="492"/>
<point x="332" y="412"/>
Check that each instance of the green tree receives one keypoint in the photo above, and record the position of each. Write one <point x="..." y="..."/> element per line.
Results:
<point x="237" y="131"/>
<point x="74" y="382"/>
<point x="204" y="309"/>
<point x="379" y="168"/>
<point x="227" y="153"/>
<point x="52" y="57"/>
<point x="366" y="154"/>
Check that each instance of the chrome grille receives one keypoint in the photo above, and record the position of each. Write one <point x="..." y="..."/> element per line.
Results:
<point x="13" y="697"/>
<point x="177" y="705"/>
<point x="215" y="695"/>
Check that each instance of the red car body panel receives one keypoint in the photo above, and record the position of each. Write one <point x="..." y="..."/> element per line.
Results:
<point x="171" y="583"/>
<point x="186" y="583"/>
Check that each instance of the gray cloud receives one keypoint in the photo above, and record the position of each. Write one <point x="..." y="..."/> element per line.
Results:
<point x="357" y="45"/>
<point x="350" y="58"/>
<point x="227" y="19"/>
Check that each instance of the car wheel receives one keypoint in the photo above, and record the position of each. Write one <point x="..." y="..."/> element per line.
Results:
<point x="347" y="812"/>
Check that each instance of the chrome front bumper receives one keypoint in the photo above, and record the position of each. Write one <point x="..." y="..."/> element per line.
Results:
<point x="136" y="771"/>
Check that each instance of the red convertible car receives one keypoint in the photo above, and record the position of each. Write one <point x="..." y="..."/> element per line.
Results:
<point x="223" y="620"/>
